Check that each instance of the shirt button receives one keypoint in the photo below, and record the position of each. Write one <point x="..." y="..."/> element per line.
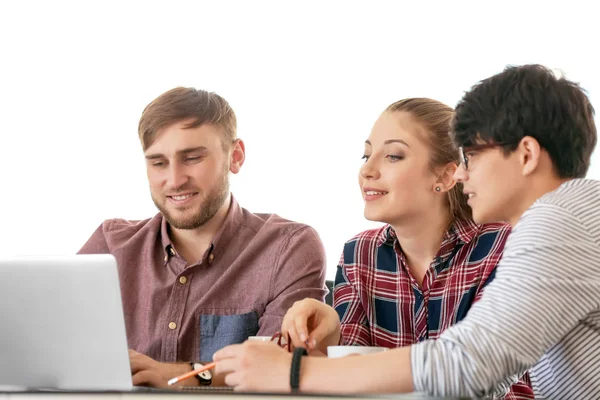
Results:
<point x="172" y="325"/>
<point x="183" y="280"/>
<point x="211" y="257"/>
<point x="172" y="251"/>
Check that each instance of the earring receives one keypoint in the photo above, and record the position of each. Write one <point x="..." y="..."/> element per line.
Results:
<point x="438" y="189"/>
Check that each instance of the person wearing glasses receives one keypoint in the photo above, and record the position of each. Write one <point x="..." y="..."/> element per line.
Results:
<point x="421" y="272"/>
<point x="526" y="137"/>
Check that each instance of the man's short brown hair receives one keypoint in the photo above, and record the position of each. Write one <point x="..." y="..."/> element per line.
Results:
<point x="180" y="104"/>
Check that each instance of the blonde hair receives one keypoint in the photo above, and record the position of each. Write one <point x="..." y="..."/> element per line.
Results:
<point x="436" y="117"/>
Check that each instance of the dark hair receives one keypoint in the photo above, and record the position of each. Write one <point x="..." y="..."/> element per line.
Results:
<point x="435" y="117"/>
<point x="530" y="100"/>
<point x="180" y="104"/>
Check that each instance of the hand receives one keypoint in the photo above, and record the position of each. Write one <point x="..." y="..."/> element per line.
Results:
<point x="311" y="323"/>
<point x="255" y="366"/>
<point x="148" y="372"/>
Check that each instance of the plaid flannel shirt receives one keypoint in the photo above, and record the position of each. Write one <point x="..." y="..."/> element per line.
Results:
<point x="380" y="303"/>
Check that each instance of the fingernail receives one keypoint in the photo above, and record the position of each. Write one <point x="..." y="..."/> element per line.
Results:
<point x="313" y="344"/>
<point x="302" y="337"/>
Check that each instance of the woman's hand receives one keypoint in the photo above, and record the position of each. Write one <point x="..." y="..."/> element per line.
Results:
<point x="312" y="324"/>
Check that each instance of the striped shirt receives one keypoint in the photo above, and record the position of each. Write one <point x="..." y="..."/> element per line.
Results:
<point x="381" y="303"/>
<point x="542" y="310"/>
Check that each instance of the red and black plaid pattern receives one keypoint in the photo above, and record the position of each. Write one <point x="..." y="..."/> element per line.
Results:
<point x="380" y="303"/>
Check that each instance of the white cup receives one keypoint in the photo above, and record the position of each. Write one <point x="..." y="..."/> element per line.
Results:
<point x="343" y="351"/>
<point x="260" y="338"/>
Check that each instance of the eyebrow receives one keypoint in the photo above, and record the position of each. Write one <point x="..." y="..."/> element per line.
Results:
<point x="201" y="149"/>
<point x="390" y="141"/>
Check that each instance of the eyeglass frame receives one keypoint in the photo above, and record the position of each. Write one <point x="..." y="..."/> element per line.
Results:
<point x="279" y="336"/>
<point x="462" y="151"/>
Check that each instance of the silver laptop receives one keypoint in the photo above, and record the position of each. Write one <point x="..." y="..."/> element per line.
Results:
<point x="62" y="325"/>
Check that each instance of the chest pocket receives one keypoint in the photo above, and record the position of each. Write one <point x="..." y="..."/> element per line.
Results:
<point x="218" y="331"/>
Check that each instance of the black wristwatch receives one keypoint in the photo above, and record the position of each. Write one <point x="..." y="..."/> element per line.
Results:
<point x="205" y="377"/>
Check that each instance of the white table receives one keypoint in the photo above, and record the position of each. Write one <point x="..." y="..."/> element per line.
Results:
<point x="205" y="396"/>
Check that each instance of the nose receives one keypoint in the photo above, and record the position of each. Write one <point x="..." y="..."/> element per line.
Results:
<point x="370" y="169"/>
<point x="461" y="174"/>
<point x="176" y="176"/>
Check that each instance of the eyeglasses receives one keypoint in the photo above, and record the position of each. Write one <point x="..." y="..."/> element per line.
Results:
<point x="464" y="151"/>
<point x="286" y="344"/>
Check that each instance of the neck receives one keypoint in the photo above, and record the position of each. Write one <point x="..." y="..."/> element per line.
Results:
<point x="191" y="244"/>
<point x="536" y="188"/>
<point x="421" y="238"/>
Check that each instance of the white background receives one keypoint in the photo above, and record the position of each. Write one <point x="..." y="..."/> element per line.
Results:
<point x="306" y="78"/>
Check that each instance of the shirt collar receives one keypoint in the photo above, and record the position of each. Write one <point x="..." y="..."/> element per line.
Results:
<point x="463" y="230"/>
<point x="386" y="236"/>
<point x="233" y="219"/>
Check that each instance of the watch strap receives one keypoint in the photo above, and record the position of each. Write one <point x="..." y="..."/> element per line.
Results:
<point x="295" y="370"/>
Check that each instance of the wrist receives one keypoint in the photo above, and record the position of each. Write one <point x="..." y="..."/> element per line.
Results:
<point x="172" y="370"/>
<point x="333" y="339"/>
<point x="338" y="335"/>
<point x="203" y="378"/>
<point x="297" y="356"/>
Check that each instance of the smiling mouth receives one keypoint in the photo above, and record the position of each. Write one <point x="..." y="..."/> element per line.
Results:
<point x="182" y="196"/>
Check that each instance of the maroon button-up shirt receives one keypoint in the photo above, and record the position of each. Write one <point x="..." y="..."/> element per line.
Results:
<point x="256" y="267"/>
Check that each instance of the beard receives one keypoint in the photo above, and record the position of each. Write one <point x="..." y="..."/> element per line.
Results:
<point x="204" y="212"/>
